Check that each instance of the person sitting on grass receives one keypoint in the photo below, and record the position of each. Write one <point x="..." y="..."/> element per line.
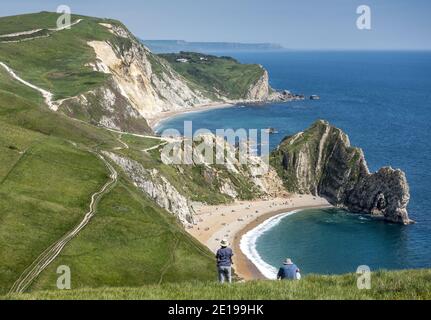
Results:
<point x="224" y="262"/>
<point x="289" y="271"/>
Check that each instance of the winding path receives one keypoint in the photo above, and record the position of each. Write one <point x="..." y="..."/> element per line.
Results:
<point x="30" y="32"/>
<point x="48" y="96"/>
<point x="40" y="264"/>
<point x="52" y="252"/>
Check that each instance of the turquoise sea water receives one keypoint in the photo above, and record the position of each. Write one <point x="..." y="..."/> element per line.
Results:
<point x="382" y="100"/>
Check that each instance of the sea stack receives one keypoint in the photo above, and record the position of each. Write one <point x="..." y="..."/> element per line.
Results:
<point x="320" y="161"/>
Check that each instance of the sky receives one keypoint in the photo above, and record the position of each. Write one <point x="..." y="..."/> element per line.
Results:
<point x="295" y="24"/>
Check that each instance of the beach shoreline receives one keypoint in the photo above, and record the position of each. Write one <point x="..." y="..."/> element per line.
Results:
<point x="157" y="120"/>
<point x="245" y="267"/>
<point x="233" y="221"/>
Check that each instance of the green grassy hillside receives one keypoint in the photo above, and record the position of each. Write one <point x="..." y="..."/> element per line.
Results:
<point x="48" y="174"/>
<point x="25" y="22"/>
<point x="385" y="285"/>
<point x="47" y="177"/>
<point x="130" y="242"/>
<point x="223" y="75"/>
<point x="62" y="63"/>
<point x="57" y="63"/>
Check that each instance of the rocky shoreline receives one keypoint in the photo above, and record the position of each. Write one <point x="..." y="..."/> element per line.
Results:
<point x="321" y="161"/>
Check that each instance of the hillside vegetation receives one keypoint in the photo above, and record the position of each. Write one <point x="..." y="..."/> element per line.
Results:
<point x="223" y="75"/>
<point x="57" y="63"/>
<point x="123" y="84"/>
<point x="49" y="170"/>
<point x="13" y="24"/>
<point x="47" y="177"/>
<point x="385" y="285"/>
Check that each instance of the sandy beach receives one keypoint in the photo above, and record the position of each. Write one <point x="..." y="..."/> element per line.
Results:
<point x="155" y="121"/>
<point x="232" y="221"/>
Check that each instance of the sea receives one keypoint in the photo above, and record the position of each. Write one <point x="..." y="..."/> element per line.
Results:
<point x="382" y="100"/>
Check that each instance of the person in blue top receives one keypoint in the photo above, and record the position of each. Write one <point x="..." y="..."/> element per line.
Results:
<point x="289" y="271"/>
<point x="224" y="262"/>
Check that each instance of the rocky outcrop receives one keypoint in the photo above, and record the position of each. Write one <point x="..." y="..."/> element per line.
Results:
<point x="321" y="161"/>
<point x="233" y="180"/>
<point x="140" y="85"/>
<point x="261" y="89"/>
<point x="240" y="177"/>
<point x="106" y="107"/>
<point x="149" y="84"/>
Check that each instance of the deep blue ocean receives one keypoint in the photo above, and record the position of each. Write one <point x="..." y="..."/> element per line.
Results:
<point x="382" y="100"/>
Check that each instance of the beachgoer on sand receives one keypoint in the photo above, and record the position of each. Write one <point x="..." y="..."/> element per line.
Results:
<point x="288" y="271"/>
<point x="224" y="262"/>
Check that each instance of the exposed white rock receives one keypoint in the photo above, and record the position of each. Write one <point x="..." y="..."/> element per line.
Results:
<point x="260" y="90"/>
<point x="108" y="123"/>
<point x="229" y="190"/>
<point x="149" y="93"/>
<point x="156" y="187"/>
<point x="251" y="167"/>
<point x="322" y="162"/>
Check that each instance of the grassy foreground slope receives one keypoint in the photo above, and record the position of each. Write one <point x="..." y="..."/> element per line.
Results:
<point x="130" y="242"/>
<point x="45" y="182"/>
<point x="47" y="177"/>
<point x="385" y="285"/>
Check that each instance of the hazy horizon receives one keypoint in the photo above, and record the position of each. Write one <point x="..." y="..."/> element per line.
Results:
<point x="296" y="25"/>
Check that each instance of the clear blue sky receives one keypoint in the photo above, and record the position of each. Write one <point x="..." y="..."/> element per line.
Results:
<point x="296" y="24"/>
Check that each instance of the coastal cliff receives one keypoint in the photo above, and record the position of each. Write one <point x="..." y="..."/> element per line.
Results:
<point x="320" y="161"/>
<point x="142" y="85"/>
<point x="178" y="187"/>
<point x="99" y="72"/>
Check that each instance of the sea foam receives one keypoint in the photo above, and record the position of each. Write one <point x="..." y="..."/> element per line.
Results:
<point x="249" y="240"/>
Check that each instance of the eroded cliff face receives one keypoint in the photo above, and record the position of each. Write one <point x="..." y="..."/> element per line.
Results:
<point x="321" y="161"/>
<point x="156" y="187"/>
<point x="177" y="188"/>
<point x="247" y="178"/>
<point x="106" y="107"/>
<point x="148" y="91"/>
<point x="141" y="86"/>
<point x="261" y="89"/>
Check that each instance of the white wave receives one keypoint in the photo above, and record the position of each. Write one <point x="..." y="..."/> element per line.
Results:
<point x="249" y="240"/>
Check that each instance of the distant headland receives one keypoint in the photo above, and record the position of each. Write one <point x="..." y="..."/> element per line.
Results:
<point x="168" y="46"/>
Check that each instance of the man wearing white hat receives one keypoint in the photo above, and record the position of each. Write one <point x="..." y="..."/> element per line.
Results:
<point x="224" y="262"/>
<point x="289" y="271"/>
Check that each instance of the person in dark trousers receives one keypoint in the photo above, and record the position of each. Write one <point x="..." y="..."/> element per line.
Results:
<point x="289" y="271"/>
<point x="224" y="262"/>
